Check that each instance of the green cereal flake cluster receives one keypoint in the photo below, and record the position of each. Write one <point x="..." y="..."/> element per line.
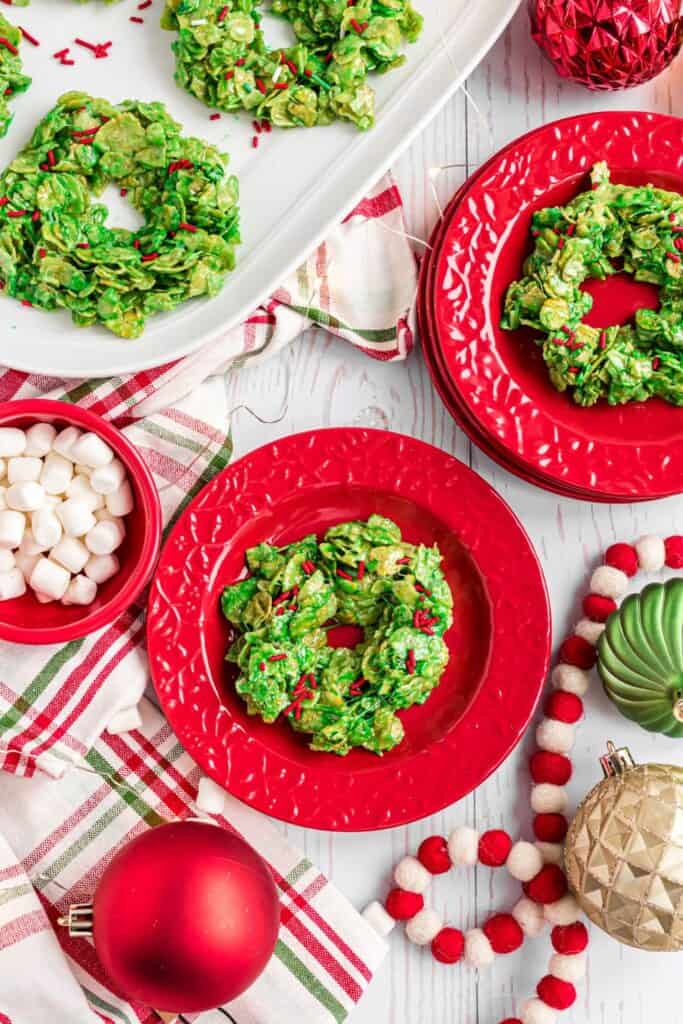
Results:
<point x="362" y="574"/>
<point x="12" y="79"/>
<point x="223" y="59"/>
<point x="637" y="229"/>
<point x="56" y="248"/>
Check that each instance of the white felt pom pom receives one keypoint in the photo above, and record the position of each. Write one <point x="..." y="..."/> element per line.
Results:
<point x="609" y="582"/>
<point x="412" y="876"/>
<point x="551" y="852"/>
<point x="549" y="799"/>
<point x="570" y="679"/>
<point x="524" y="861"/>
<point x="568" y="968"/>
<point x="529" y="917"/>
<point x="651" y="553"/>
<point x="478" y="950"/>
<point x="563" y="911"/>
<point x="12" y="584"/>
<point x="590" y="631"/>
<point x="210" y="797"/>
<point x="463" y="846"/>
<point x="424" y="927"/>
<point x="533" y="1011"/>
<point x="377" y="918"/>
<point x="557" y="737"/>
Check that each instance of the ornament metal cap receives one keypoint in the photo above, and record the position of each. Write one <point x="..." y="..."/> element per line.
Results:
<point x="616" y="761"/>
<point x="79" y="920"/>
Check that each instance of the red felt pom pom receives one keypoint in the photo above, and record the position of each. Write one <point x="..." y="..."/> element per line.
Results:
<point x="556" y="993"/>
<point x="598" y="608"/>
<point x="503" y="933"/>
<point x="548" y="886"/>
<point x="448" y="946"/>
<point x="565" y="707"/>
<point x="433" y="854"/>
<point x="577" y="651"/>
<point x="494" y="847"/>
<point x="570" y="939"/>
<point x="624" y="557"/>
<point x="548" y="767"/>
<point x="550" y="828"/>
<point x="673" y="547"/>
<point x="402" y="905"/>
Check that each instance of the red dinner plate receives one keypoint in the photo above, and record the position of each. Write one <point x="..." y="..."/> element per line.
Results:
<point x="305" y="484"/>
<point x="624" y="453"/>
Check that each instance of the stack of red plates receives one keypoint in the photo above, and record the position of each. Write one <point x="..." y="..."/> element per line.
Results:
<point x="493" y="382"/>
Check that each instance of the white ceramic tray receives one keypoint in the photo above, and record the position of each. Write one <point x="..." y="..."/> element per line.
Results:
<point x="293" y="187"/>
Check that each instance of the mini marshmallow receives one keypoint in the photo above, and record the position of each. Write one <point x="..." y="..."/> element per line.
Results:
<point x="533" y="1011"/>
<point x="377" y="917"/>
<point x="104" y="537"/>
<point x="101" y="568"/>
<point x="12" y="526"/>
<point x="478" y="950"/>
<point x="549" y="799"/>
<point x="563" y="912"/>
<point x="411" y="875"/>
<point x="56" y="474"/>
<point x="26" y="496"/>
<point x="23" y="467"/>
<point x="120" y="502"/>
<point x="77" y="519"/>
<point x="7" y="560"/>
<point x="29" y="545"/>
<point x="568" y="968"/>
<point x="91" y="450"/>
<point x="39" y="439"/>
<point x="50" y="579"/>
<point x="12" y="441"/>
<point x="570" y="679"/>
<point x="424" y="927"/>
<point x="73" y="555"/>
<point x="26" y="563"/>
<point x="529" y="917"/>
<point x="81" y="590"/>
<point x="590" y="631"/>
<point x="524" y="861"/>
<point x="65" y="440"/>
<point x="651" y="553"/>
<point x="12" y="584"/>
<point x="43" y="598"/>
<point x="463" y="846"/>
<point x="79" y="487"/>
<point x="557" y="737"/>
<point x="107" y="479"/>
<point x="46" y="528"/>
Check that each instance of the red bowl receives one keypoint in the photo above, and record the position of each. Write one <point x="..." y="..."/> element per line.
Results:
<point x="24" y="620"/>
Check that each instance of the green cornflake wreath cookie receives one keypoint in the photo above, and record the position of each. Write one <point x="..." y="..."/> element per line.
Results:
<point x="12" y="79"/>
<point x="223" y="59"/>
<point x="638" y="229"/>
<point x="361" y="573"/>
<point x="56" y="249"/>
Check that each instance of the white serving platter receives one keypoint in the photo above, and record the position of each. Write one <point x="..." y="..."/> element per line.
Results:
<point x="294" y="187"/>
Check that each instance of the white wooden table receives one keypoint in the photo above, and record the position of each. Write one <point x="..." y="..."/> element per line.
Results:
<point x="514" y="90"/>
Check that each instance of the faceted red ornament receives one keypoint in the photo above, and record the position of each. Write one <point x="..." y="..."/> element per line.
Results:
<point x="186" y="917"/>
<point x="608" y="44"/>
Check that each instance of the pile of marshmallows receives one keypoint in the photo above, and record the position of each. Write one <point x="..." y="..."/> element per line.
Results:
<point x="63" y="497"/>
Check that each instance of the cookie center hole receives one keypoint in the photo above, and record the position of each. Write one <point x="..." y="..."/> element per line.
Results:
<point x="616" y="299"/>
<point x="122" y="214"/>
<point x="277" y="32"/>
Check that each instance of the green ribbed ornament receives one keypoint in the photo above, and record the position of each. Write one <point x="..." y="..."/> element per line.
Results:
<point x="640" y="658"/>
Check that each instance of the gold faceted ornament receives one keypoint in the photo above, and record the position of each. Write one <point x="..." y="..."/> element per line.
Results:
<point x="624" y="853"/>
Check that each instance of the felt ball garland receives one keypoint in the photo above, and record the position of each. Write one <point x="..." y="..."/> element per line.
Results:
<point x="536" y="865"/>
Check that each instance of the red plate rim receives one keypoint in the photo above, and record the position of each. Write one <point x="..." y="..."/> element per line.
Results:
<point x="322" y="791"/>
<point x="463" y="337"/>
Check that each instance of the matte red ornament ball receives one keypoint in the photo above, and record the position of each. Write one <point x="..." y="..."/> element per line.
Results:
<point x="607" y="44"/>
<point x="550" y="828"/>
<point x="402" y="905"/>
<point x="494" y="847"/>
<point x="564" y="707"/>
<point x="577" y="651"/>
<point x="503" y="932"/>
<point x="673" y="547"/>
<point x="570" y="939"/>
<point x="433" y="854"/>
<point x="624" y="557"/>
<point x="548" y="767"/>
<point x="556" y="993"/>
<point x="186" y="917"/>
<point x="448" y="946"/>
<point x="598" y="608"/>
<point x="548" y="886"/>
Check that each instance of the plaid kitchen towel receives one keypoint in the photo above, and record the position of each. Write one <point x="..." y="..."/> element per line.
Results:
<point x="55" y="701"/>
<point x="56" y="838"/>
